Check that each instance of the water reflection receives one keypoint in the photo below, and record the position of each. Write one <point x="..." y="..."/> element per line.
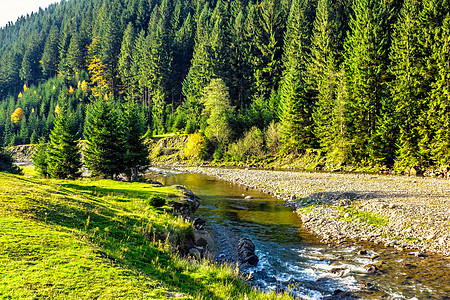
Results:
<point x="292" y="258"/>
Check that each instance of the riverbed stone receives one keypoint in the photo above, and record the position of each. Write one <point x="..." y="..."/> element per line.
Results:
<point x="419" y="203"/>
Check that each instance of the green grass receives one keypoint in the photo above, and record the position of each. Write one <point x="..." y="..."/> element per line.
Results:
<point x="363" y="216"/>
<point x="98" y="239"/>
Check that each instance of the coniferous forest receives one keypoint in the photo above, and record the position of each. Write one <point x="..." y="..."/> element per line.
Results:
<point x="363" y="82"/>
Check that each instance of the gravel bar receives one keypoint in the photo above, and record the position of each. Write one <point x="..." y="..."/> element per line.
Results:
<point x="397" y="211"/>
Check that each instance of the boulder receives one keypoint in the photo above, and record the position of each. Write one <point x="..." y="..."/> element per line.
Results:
<point x="203" y="239"/>
<point x="187" y="204"/>
<point x="414" y="171"/>
<point x="246" y="252"/>
<point x="195" y="253"/>
<point x="199" y="223"/>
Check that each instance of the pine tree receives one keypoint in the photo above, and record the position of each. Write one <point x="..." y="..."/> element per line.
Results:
<point x="323" y="72"/>
<point x="105" y="146"/>
<point x="40" y="158"/>
<point x="137" y="154"/>
<point x="439" y="111"/>
<point x="296" y="103"/>
<point x="431" y="26"/>
<point x="63" y="152"/>
<point x="50" y="56"/>
<point x="240" y="67"/>
<point x="268" y="42"/>
<point x="74" y="58"/>
<point x="366" y="58"/>
<point x="407" y="88"/>
<point x="126" y="58"/>
<point x="202" y="67"/>
<point x="7" y="161"/>
<point x="200" y="72"/>
<point x="110" y="49"/>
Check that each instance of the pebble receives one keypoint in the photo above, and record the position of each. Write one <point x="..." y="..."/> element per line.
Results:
<point x="416" y="213"/>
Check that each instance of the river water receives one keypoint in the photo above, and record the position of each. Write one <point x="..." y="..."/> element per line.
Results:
<point x="291" y="259"/>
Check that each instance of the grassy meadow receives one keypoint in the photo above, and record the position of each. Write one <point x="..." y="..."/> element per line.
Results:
<point x="99" y="239"/>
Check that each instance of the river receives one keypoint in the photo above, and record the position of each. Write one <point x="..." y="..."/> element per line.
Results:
<point x="291" y="259"/>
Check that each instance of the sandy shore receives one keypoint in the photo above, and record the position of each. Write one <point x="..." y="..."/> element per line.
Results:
<point x="402" y="212"/>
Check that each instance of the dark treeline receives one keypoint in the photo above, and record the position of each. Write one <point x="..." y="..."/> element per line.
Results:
<point x="363" y="82"/>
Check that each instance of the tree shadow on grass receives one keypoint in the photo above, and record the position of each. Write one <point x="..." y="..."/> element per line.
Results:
<point x="112" y="229"/>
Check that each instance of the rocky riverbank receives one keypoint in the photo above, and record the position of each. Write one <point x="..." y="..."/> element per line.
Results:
<point x="409" y="213"/>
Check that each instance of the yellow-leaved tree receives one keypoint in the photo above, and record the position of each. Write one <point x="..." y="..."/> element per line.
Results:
<point x="97" y="69"/>
<point x="17" y="116"/>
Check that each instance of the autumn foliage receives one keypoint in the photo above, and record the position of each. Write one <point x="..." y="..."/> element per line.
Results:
<point x="17" y="116"/>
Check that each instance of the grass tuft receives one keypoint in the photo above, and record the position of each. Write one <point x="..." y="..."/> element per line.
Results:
<point x="99" y="239"/>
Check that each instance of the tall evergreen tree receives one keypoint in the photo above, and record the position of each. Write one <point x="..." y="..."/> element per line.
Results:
<point x="40" y="157"/>
<point x="269" y="44"/>
<point x="50" y="56"/>
<point x="408" y="88"/>
<point x="439" y="109"/>
<point x="366" y="58"/>
<point x="126" y="57"/>
<point x="296" y="103"/>
<point x="63" y="151"/>
<point x="105" y="150"/>
<point x="134" y="125"/>
<point x="322" y="69"/>
<point x="431" y="27"/>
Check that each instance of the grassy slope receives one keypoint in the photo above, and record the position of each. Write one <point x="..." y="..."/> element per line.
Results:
<point x="87" y="240"/>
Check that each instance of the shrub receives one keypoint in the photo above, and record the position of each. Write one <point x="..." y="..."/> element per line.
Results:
<point x="156" y="201"/>
<point x="196" y="147"/>
<point x="273" y="138"/>
<point x="250" y="146"/>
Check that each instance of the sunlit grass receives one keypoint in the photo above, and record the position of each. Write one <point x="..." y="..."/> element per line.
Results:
<point x="98" y="239"/>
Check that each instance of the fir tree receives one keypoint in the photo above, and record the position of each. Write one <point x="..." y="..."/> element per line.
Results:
<point x="296" y="103"/>
<point x="7" y="161"/>
<point x="105" y="148"/>
<point x="126" y="58"/>
<point x="137" y="151"/>
<point x="63" y="152"/>
<point x="323" y="72"/>
<point x="366" y="57"/>
<point x="40" y="158"/>
<point x="407" y="88"/>
<point x="439" y="111"/>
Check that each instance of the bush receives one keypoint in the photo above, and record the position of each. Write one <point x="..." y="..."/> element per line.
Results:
<point x="196" y="147"/>
<point x="273" y="138"/>
<point x="250" y="146"/>
<point x="156" y="201"/>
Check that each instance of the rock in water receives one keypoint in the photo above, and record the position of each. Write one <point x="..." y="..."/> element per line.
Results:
<point x="246" y="251"/>
<point x="199" y="223"/>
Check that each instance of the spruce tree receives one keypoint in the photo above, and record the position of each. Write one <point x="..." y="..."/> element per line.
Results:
<point x="126" y="57"/>
<point x="323" y="72"/>
<point x="366" y="58"/>
<point x="63" y="152"/>
<point x="40" y="157"/>
<point x="7" y="161"/>
<point x="408" y="88"/>
<point x="137" y="151"/>
<point x="268" y="42"/>
<point x="439" y="109"/>
<point x="105" y="150"/>
<point x="296" y="103"/>
<point x="433" y="71"/>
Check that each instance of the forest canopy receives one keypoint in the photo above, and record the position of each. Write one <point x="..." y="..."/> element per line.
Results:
<point x="362" y="82"/>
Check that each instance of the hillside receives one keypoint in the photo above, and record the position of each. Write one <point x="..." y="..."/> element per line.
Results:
<point x="361" y="82"/>
<point x="99" y="239"/>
